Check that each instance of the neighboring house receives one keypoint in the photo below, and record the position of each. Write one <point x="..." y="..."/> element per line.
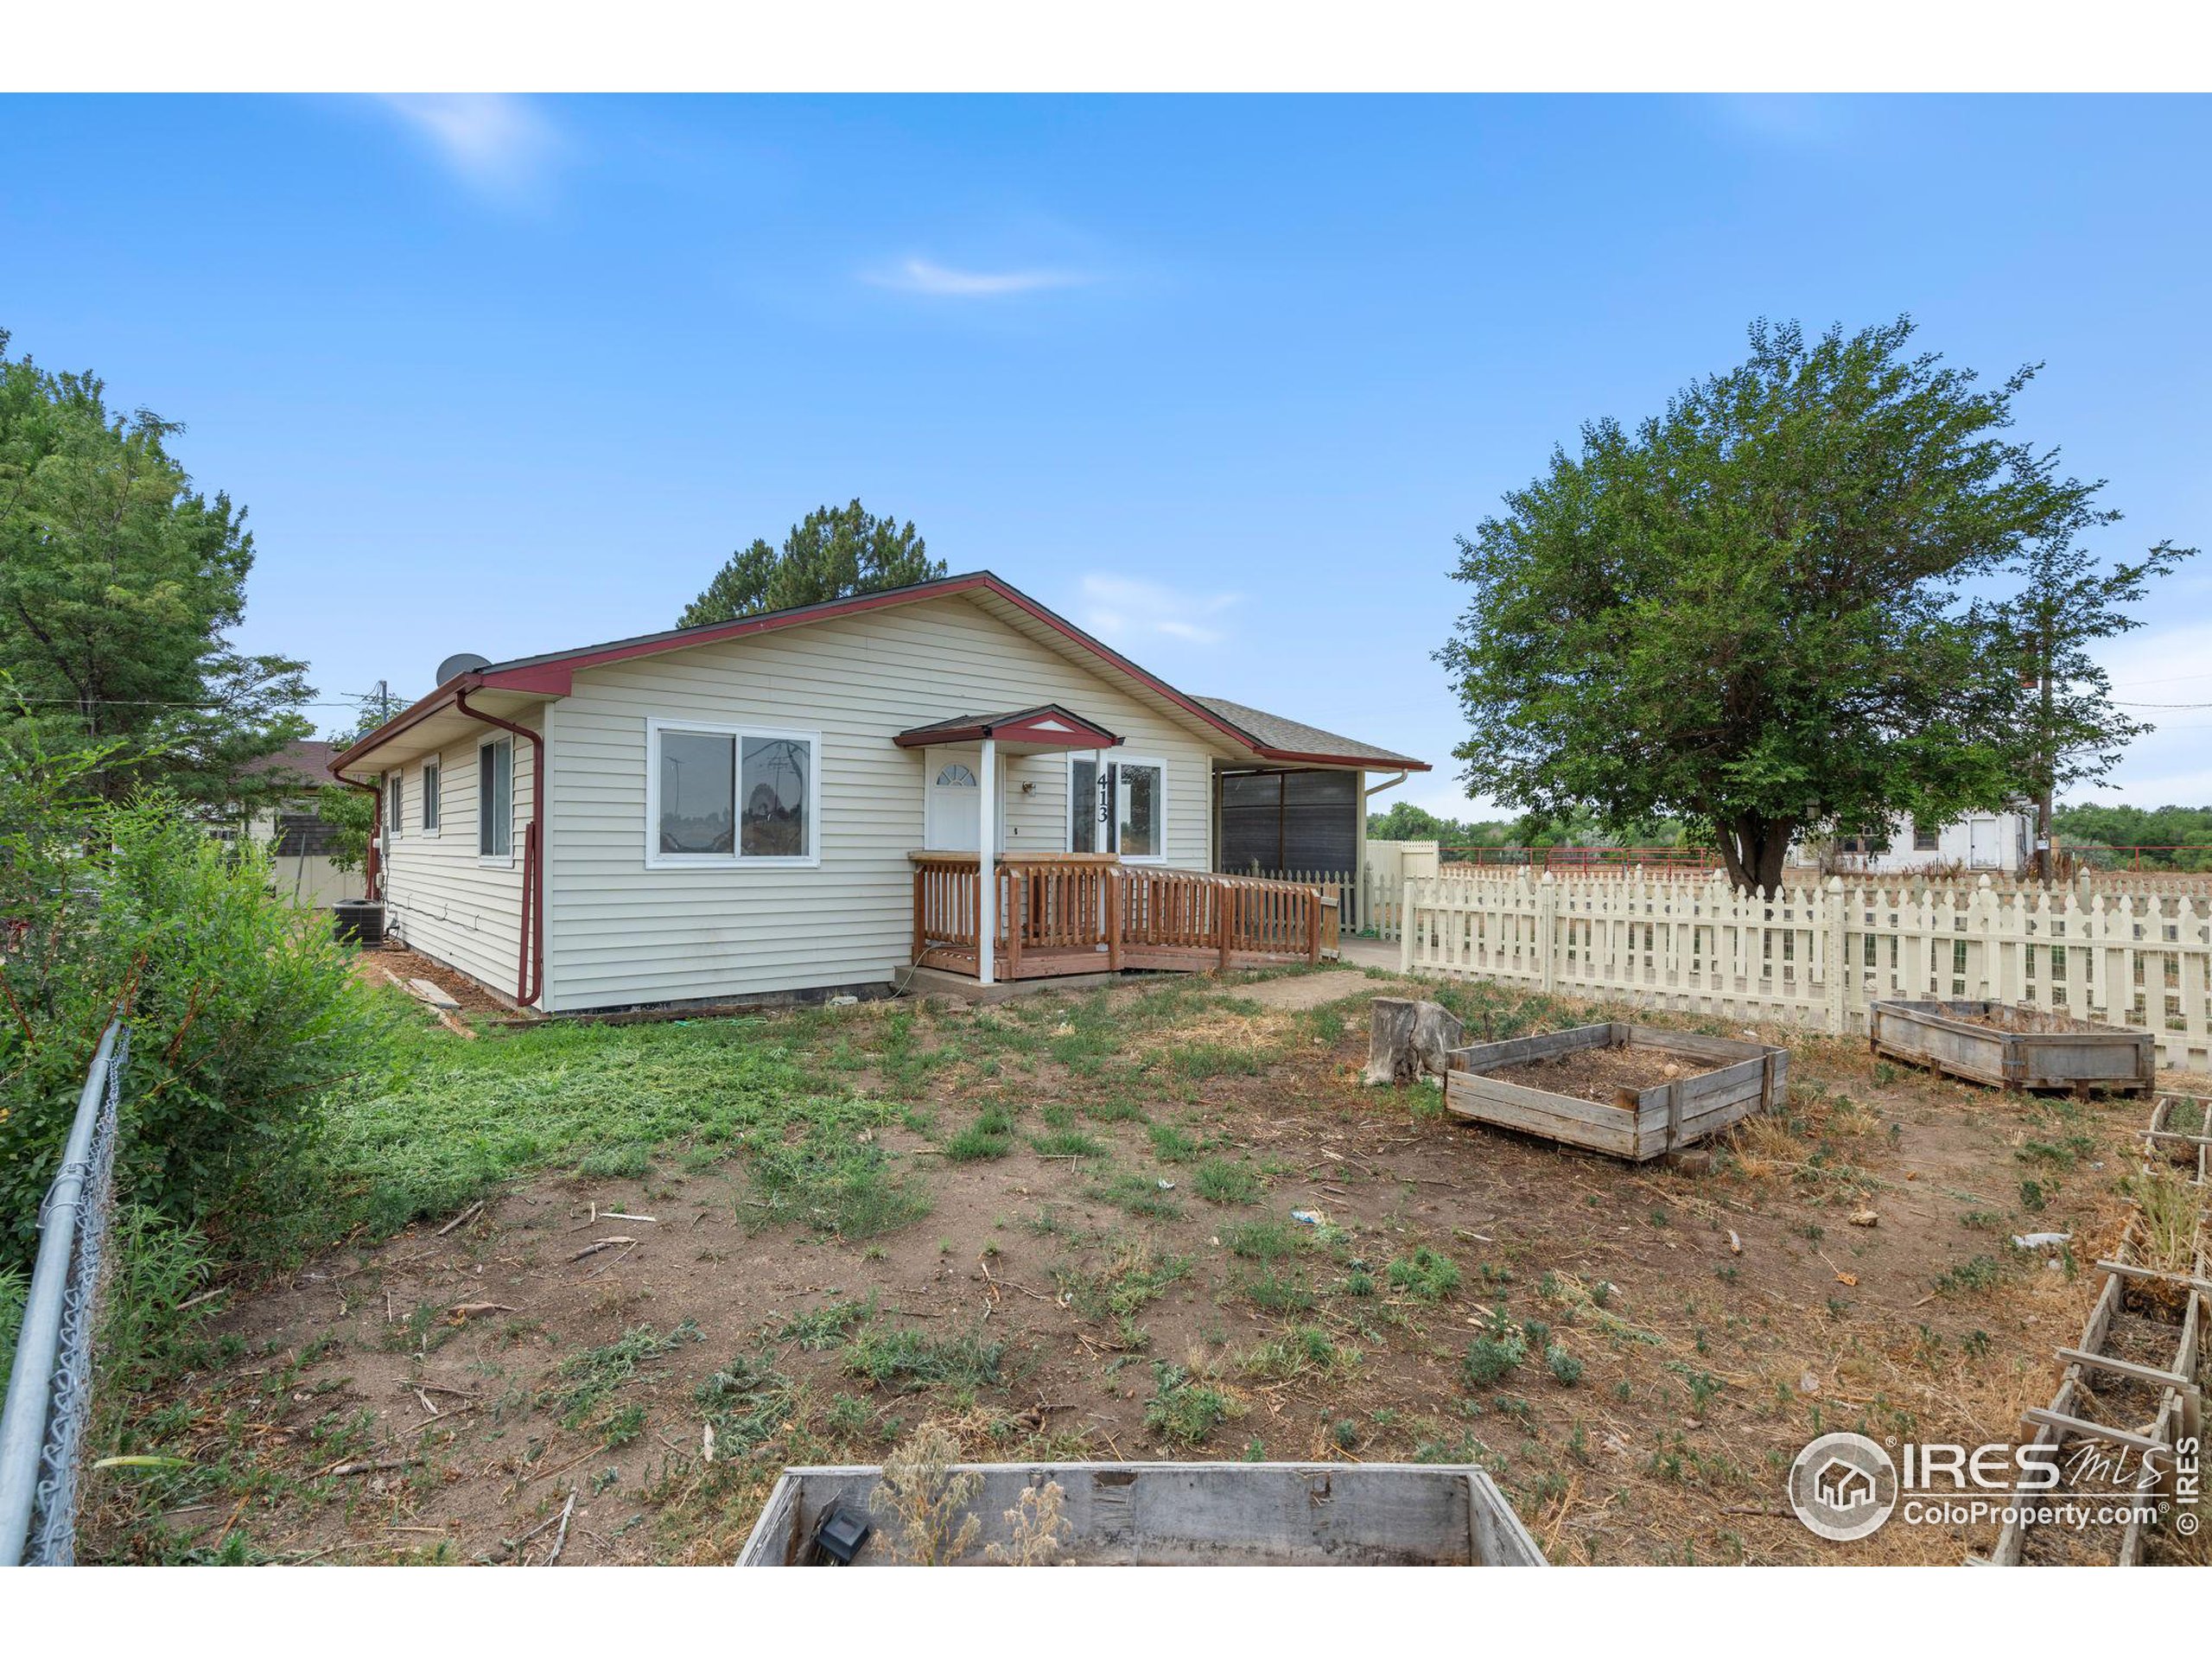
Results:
<point x="734" y="811"/>
<point x="2001" y="842"/>
<point x="302" y="840"/>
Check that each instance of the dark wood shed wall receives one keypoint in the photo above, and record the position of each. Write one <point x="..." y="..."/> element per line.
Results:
<point x="1289" y="820"/>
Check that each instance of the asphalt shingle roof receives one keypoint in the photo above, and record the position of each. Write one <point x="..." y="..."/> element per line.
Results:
<point x="1274" y="732"/>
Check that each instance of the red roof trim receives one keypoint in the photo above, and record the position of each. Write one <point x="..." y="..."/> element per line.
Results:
<point x="558" y="668"/>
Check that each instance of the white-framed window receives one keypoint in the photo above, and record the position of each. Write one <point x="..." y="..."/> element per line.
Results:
<point x="495" y="800"/>
<point x="392" y="798"/>
<point x="1086" y="815"/>
<point x="431" y="770"/>
<point x="1118" y="805"/>
<point x="1140" y="810"/>
<point x="725" y="797"/>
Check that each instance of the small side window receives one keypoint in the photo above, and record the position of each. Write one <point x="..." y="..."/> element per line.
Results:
<point x="495" y="799"/>
<point x="392" y="798"/>
<point x="430" y="777"/>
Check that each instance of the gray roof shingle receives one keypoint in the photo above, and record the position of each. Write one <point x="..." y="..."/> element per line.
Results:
<point x="1274" y="732"/>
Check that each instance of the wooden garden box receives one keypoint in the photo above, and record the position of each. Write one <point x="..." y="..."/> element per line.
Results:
<point x="1723" y="1081"/>
<point x="2034" y="1048"/>
<point x="1192" y="1514"/>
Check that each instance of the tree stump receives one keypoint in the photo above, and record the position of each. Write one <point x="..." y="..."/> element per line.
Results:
<point x="1409" y="1038"/>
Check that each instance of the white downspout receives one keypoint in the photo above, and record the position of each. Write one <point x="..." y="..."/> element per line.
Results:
<point x="986" y="859"/>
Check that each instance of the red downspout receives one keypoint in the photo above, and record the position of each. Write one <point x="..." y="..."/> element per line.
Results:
<point x="530" y="970"/>
<point x="371" y="866"/>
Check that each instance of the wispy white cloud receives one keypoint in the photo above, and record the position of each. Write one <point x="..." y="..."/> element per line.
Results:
<point x="496" y="143"/>
<point x="1123" y="608"/>
<point x="918" y="276"/>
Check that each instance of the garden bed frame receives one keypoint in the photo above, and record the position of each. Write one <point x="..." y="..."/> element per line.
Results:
<point x="1225" y="1513"/>
<point x="2074" y="1415"/>
<point x="2072" y="1054"/>
<point x="1737" y="1079"/>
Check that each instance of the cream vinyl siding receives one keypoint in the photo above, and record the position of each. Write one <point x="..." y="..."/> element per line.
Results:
<point x="443" y="899"/>
<point x="620" y="934"/>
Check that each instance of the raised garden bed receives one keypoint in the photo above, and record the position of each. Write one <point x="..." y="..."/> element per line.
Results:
<point x="1616" y="1088"/>
<point x="2014" y="1046"/>
<point x="1171" y="1514"/>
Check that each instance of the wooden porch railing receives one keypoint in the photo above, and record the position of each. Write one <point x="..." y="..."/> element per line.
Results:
<point x="1087" y="913"/>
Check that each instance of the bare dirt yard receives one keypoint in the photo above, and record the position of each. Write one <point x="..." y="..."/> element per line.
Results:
<point x="650" y="1265"/>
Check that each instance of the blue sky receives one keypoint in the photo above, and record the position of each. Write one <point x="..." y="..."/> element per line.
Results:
<point x="1220" y="378"/>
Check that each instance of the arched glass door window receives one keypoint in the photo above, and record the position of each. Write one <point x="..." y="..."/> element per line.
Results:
<point x="957" y="777"/>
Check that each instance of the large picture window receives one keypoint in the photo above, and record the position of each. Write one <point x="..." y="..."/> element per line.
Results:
<point x="726" y="795"/>
<point x="495" y="798"/>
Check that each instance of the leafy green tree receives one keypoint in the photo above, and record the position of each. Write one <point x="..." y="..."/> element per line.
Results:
<point x="2068" y="731"/>
<point x="350" y="813"/>
<point x="119" y="582"/>
<point x="832" y="553"/>
<point x="1746" y="612"/>
<point x="2183" y="834"/>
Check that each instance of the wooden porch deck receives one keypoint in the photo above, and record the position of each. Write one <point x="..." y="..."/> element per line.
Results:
<point x="1064" y="914"/>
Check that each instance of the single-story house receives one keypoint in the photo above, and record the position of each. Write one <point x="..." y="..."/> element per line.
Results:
<point x="2000" y="842"/>
<point x="294" y="830"/>
<point x="800" y="802"/>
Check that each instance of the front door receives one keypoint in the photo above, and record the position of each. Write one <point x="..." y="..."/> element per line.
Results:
<point x="954" y="816"/>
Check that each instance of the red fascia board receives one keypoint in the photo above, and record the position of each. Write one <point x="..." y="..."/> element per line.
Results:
<point x="559" y="668"/>
<point x="540" y="679"/>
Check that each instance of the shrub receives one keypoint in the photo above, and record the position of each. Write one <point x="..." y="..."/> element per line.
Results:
<point x="1489" y="1358"/>
<point x="243" y="1012"/>
<point x="1564" y="1366"/>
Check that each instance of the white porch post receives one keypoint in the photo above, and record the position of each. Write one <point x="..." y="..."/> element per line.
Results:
<point x="987" y="898"/>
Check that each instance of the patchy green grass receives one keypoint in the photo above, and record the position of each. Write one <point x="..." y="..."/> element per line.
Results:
<point x="1222" y="1181"/>
<point x="1139" y="1195"/>
<point x="905" y="1360"/>
<point x="1171" y="1145"/>
<point x="1067" y="1143"/>
<point x="1302" y="1351"/>
<point x="589" y="1377"/>
<point x="1270" y="1239"/>
<point x="444" y="1121"/>
<point x="1184" y="1412"/>
<point x="1428" y="1274"/>
<point x="1279" y="1292"/>
<point x="991" y="1135"/>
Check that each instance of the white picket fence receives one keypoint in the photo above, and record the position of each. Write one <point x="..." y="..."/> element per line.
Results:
<point x="1820" y="952"/>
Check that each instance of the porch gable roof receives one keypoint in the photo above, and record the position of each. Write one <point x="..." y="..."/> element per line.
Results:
<point x="1047" y="725"/>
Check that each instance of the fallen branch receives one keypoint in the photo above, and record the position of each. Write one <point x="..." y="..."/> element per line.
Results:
<point x="473" y="1209"/>
<point x="368" y="1466"/>
<point x="561" y="1538"/>
<point x="597" y="1245"/>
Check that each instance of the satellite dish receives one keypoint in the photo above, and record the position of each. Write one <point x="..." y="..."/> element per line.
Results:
<point x="461" y="662"/>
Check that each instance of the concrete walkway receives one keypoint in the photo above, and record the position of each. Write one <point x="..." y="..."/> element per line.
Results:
<point x="1369" y="953"/>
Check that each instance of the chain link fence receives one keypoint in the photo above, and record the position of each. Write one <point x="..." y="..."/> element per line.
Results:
<point x="50" y="1389"/>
